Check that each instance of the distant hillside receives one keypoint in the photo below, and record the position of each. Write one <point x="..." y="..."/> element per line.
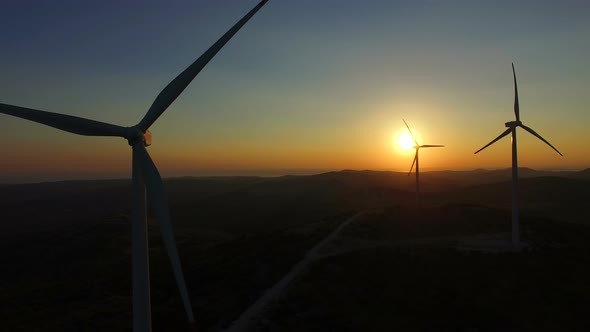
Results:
<point x="482" y="176"/>
<point x="242" y="202"/>
<point x="559" y="198"/>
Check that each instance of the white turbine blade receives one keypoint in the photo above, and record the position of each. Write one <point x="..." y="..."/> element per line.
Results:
<point x="431" y="146"/>
<point x="155" y="189"/>
<point x="411" y="134"/>
<point x="413" y="162"/>
<point x="516" y="107"/>
<point x="497" y="138"/>
<point x="72" y="124"/>
<point x="539" y="137"/>
<point x="175" y="88"/>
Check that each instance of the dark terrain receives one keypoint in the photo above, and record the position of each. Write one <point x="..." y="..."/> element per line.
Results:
<point x="66" y="263"/>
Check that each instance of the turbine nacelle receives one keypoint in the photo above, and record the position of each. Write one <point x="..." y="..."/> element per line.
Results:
<point x="147" y="138"/>
<point x="135" y="134"/>
<point x="513" y="124"/>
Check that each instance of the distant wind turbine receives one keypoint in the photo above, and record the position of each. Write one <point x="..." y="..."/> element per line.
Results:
<point x="145" y="175"/>
<point x="512" y="129"/>
<point x="417" y="147"/>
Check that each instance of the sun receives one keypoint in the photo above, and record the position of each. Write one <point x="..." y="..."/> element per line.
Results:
<point x="405" y="141"/>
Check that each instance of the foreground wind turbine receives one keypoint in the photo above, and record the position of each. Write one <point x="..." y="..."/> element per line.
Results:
<point x="512" y="129"/>
<point x="145" y="175"/>
<point x="416" y="161"/>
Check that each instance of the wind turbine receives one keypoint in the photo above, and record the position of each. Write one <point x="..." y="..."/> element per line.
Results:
<point x="145" y="175"/>
<point x="417" y="147"/>
<point x="512" y="129"/>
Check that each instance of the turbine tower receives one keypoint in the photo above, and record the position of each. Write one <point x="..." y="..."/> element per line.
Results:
<point x="417" y="147"/>
<point x="512" y="125"/>
<point x="145" y="176"/>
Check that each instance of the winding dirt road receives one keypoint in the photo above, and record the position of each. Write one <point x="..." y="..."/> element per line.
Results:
<point x="249" y="316"/>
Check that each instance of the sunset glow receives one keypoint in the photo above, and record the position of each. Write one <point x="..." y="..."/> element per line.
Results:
<point x="406" y="142"/>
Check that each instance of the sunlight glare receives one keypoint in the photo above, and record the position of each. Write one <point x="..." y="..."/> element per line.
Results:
<point x="405" y="141"/>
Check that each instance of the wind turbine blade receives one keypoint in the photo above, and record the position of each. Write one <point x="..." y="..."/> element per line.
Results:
<point x="413" y="162"/>
<point x="539" y="137"/>
<point x="175" y="88"/>
<point x="497" y="138"/>
<point x="516" y="107"/>
<point x="412" y="134"/>
<point x="72" y="124"/>
<point x="155" y="189"/>
<point x="431" y="146"/>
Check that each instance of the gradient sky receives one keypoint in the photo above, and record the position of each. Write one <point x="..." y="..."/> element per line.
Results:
<point x="307" y="84"/>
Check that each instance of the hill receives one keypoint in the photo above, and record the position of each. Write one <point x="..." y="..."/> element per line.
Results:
<point x="238" y="235"/>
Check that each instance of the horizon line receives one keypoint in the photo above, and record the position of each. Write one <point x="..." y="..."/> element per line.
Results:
<point x="262" y="173"/>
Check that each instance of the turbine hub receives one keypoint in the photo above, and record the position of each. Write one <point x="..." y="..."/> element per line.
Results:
<point x="134" y="135"/>
<point x="512" y="124"/>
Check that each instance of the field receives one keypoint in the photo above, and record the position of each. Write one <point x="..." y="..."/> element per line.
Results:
<point x="67" y="266"/>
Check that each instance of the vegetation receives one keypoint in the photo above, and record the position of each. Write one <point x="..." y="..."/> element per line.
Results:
<point x="66" y="255"/>
<point x="439" y="289"/>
